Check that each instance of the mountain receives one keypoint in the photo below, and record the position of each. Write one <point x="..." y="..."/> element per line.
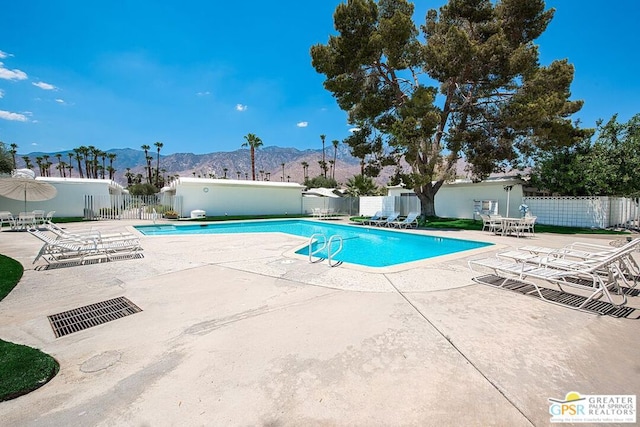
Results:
<point x="268" y="159"/>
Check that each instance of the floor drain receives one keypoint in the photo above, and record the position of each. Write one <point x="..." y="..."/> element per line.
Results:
<point x="96" y="314"/>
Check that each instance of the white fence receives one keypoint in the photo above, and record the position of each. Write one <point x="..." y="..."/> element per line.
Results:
<point x="404" y="204"/>
<point x="589" y="212"/>
<point x="339" y="205"/>
<point x="126" y="206"/>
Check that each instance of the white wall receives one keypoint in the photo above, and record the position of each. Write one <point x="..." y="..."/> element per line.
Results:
<point x="69" y="201"/>
<point x="456" y="200"/>
<point x="238" y="197"/>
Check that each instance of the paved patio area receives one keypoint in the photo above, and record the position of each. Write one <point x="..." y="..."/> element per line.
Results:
<point x="239" y="331"/>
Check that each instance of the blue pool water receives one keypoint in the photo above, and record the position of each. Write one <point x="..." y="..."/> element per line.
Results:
<point x="371" y="247"/>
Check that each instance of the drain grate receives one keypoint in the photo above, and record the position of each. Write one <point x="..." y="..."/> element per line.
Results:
<point x="96" y="314"/>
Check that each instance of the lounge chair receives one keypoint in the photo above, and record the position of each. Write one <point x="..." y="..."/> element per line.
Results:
<point x="584" y="275"/>
<point x="62" y="234"/>
<point x="411" y="221"/>
<point x="385" y="222"/>
<point x="54" y="250"/>
<point x="378" y="216"/>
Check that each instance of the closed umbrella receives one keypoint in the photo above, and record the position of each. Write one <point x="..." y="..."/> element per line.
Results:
<point x="23" y="186"/>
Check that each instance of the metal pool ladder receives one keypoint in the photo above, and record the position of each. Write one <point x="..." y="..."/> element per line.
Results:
<point x="328" y="244"/>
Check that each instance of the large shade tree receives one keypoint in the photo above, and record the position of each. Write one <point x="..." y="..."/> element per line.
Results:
<point x="470" y="87"/>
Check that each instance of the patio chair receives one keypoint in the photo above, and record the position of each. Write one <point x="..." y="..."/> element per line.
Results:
<point x="25" y="220"/>
<point x="7" y="218"/>
<point x="492" y="223"/>
<point x="55" y="250"/>
<point x="411" y="221"/>
<point x="598" y="277"/>
<point x="39" y="216"/>
<point x="385" y="222"/>
<point x="62" y="234"/>
<point x="376" y="217"/>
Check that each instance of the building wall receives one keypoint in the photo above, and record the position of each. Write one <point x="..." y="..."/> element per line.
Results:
<point x="233" y="197"/>
<point x="456" y="200"/>
<point x="68" y="202"/>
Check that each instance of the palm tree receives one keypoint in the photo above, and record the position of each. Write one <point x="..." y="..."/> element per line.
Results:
<point x="13" y="151"/>
<point x="27" y="162"/>
<point x="71" y="156"/>
<point x="146" y="148"/>
<point x="129" y="176"/>
<point x="238" y="174"/>
<point x="78" y="154"/>
<point x="282" y="171"/>
<point x="158" y="145"/>
<point x="323" y="165"/>
<point x="305" y="170"/>
<point x="252" y="142"/>
<point x="45" y="165"/>
<point x="60" y="168"/>
<point x="225" y="170"/>
<point x="103" y="156"/>
<point x="112" y="171"/>
<point x="335" y="143"/>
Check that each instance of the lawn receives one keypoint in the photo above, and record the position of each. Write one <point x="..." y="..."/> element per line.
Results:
<point x="470" y="224"/>
<point x="22" y="369"/>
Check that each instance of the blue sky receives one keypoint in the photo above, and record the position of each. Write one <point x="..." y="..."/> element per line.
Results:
<point x="199" y="75"/>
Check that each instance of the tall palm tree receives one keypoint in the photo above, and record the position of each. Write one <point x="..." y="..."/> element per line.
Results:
<point x="60" y="169"/>
<point x="27" y="162"/>
<point x="335" y="143"/>
<point x="225" y="170"/>
<point x="103" y="156"/>
<point x="323" y="165"/>
<point x="78" y="154"/>
<point x="146" y="148"/>
<point x="13" y="151"/>
<point x="305" y="170"/>
<point x="71" y="156"/>
<point x="238" y="174"/>
<point x="112" y="171"/>
<point x="158" y="145"/>
<point x="253" y="142"/>
<point x="282" y="171"/>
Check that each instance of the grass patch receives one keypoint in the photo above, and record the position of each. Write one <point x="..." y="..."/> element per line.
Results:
<point x="22" y="368"/>
<point x="11" y="273"/>
<point x="470" y="224"/>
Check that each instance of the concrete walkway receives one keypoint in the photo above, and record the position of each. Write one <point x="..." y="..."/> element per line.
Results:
<point x="236" y="330"/>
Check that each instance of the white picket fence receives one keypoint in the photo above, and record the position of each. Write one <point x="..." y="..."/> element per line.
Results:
<point x="126" y="206"/>
<point x="589" y="212"/>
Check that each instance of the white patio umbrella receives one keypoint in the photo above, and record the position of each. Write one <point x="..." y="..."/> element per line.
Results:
<point x="23" y="186"/>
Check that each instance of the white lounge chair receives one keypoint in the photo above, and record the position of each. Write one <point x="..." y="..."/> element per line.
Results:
<point x="384" y="222"/>
<point x="584" y="275"/>
<point x="55" y="250"/>
<point x="62" y="234"/>
<point x="378" y="216"/>
<point x="411" y="221"/>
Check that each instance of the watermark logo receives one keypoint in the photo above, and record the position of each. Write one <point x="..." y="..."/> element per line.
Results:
<point x="577" y="408"/>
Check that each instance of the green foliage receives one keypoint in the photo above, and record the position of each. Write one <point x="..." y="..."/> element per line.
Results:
<point x="608" y="167"/>
<point x="320" y="182"/>
<point x="11" y="273"/>
<point x="142" y="189"/>
<point x="361" y="185"/>
<point x="494" y="104"/>
<point x="6" y="160"/>
<point x="23" y="369"/>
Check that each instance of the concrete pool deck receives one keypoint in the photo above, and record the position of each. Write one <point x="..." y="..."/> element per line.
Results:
<point x="237" y="331"/>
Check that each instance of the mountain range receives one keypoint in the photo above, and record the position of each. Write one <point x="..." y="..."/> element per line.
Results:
<point x="237" y="163"/>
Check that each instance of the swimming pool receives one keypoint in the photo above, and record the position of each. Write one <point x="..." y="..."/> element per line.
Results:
<point x="371" y="247"/>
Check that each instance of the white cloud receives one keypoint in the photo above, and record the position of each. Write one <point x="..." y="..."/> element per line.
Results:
<point x="302" y="124"/>
<point x="45" y="86"/>
<point x="8" y="115"/>
<point x="35" y="144"/>
<point x="60" y="101"/>
<point x="205" y="93"/>
<point x="8" y="74"/>
<point x="4" y="54"/>
<point x="240" y="107"/>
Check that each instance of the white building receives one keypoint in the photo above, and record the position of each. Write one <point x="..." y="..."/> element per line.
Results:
<point x="218" y="197"/>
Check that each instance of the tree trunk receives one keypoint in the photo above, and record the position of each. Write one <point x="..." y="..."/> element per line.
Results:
<point x="427" y="195"/>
